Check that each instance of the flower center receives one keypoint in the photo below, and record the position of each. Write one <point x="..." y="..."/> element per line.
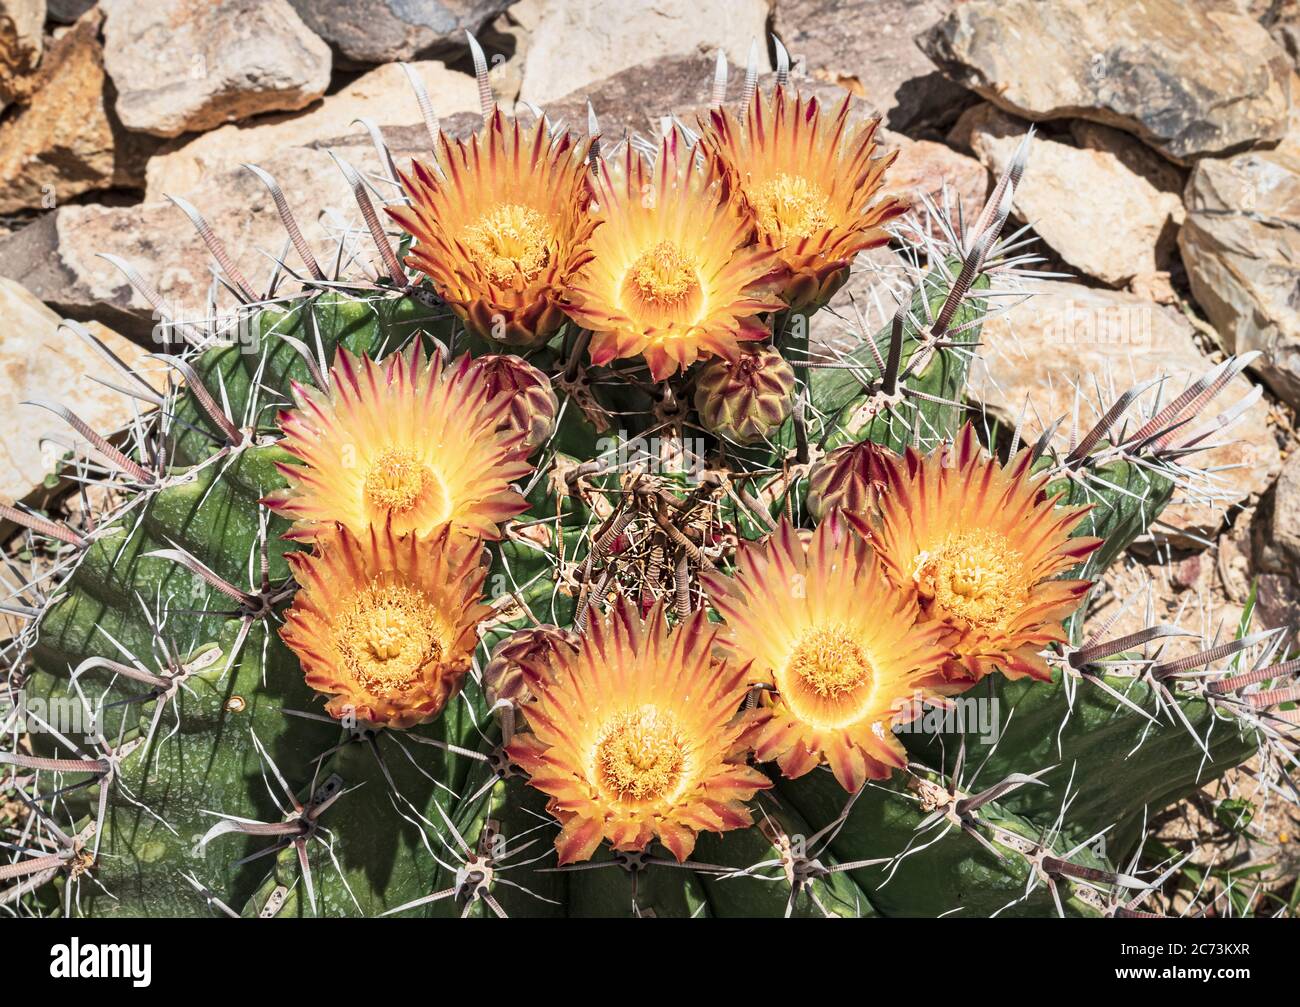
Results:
<point x="664" y="273"/>
<point x="792" y="206"/>
<point x="829" y="662"/>
<point x="975" y="576"/>
<point x="641" y="755"/>
<point x="509" y="242"/>
<point x="387" y="636"/>
<point x="398" y="480"/>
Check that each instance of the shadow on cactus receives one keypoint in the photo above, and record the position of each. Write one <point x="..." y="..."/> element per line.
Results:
<point x="540" y="559"/>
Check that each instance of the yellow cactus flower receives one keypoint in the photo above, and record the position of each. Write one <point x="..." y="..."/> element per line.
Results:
<point x="842" y="648"/>
<point x="501" y="227"/>
<point x="674" y="274"/>
<point x="404" y="440"/>
<point x="981" y="543"/>
<point x="809" y="184"/>
<point x="386" y="626"/>
<point x="634" y="736"/>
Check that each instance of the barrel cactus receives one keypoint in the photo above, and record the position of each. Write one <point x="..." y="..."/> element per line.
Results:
<point x="541" y="564"/>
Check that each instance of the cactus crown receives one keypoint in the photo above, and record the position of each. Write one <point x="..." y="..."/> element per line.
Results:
<point x="594" y="554"/>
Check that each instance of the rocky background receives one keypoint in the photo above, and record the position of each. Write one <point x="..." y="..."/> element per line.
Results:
<point x="1165" y="180"/>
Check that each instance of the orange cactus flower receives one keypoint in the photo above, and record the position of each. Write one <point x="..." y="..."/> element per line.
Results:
<point x="404" y="440"/>
<point x="981" y="543"/>
<point x="674" y="274"/>
<point x="634" y="736"/>
<point x="843" y="648"/>
<point x="809" y="184"/>
<point x="385" y="626"/>
<point x="500" y="227"/>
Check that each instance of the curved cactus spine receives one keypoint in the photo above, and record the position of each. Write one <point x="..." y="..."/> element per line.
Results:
<point x="200" y="755"/>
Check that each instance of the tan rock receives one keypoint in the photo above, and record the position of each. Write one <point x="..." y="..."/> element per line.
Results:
<point x="1277" y="523"/>
<point x="22" y="23"/>
<point x="67" y="140"/>
<point x="1188" y="592"/>
<point x="574" y="43"/>
<point x="1241" y="246"/>
<point x="870" y="49"/>
<point x="1136" y="157"/>
<point x="1104" y="342"/>
<point x="158" y="240"/>
<point x="925" y="168"/>
<point x="636" y="99"/>
<point x="366" y="32"/>
<point x="1088" y="204"/>
<point x="1190" y="77"/>
<point x="37" y="361"/>
<point x="383" y="95"/>
<point x="1271" y="542"/>
<point x="56" y="256"/>
<point x="225" y="60"/>
<point x="1158" y="287"/>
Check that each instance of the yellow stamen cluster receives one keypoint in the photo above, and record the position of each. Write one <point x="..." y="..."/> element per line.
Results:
<point x="664" y="273"/>
<point x="830" y="661"/>
<point x="397" y="480"/>
<point x="640" y="755"/>
<point x="509" y="242"/>
<point x="387" y="634"/>
<point x="975" y="576"/>
<point x="791" y="205"/>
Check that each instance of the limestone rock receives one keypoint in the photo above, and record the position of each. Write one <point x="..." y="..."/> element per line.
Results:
<point x="57" y="256"/>
<point x="1277" y="523"/>
<point x="39" y="362"/>
<point x="924" y="168"/>
<point x="574" y="43"/>
<point x="870" y="49"/>
<point x="225" y="60"/>
<point x="1241" y="247"/>
<point x="1100" y="207"/>
<point x="1273" y="546"/>
<point x="1067" y="336"/>
<point x="21" y="43"/>
<point x="1184" y="590"/>
<point x="1190" y="77"/>
<point x="68" y="140"/>
<point x="383" y="95"/>
<point x="634" y="99"/>
<point x="366" y="32"/>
